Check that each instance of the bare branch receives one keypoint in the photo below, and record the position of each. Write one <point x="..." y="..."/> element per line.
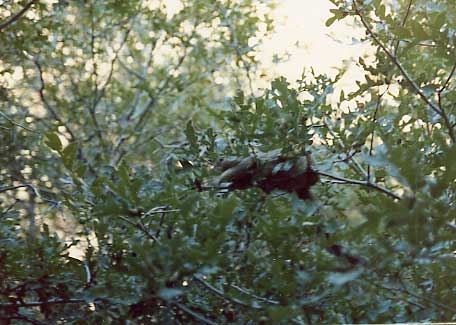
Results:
<point x="33" y="189"/>
<point x="92" y="108"/>
<point x="240" y="56"/>
<point x="252" y="295"/>
<point x="223" y="295"/>
<point x="407" y="12"/>
<point x="17" y="124"/>
<point x="142" y="77"/>
<point x="102" y="90"/>
<point x="194" y="314"/>
<point x="448" y="124"/>
<point x="429" y="300"/>
<point x="10" y="188"/>
<point x="44" y="100"/>
<point x="24" y="318"/>
<point x="17" y="16"/>
<point x="130" y="70"/>
<point x="159" y="210"/>
<point x="395" y="61"/>
<point x="445" y="85"/>
<point x="362" y="183"/>
<point x="374" y="120"/>
<point x="358" y="166"/>
<point x="42" y="303"/>
<point x="238" y="301"/>
<point x="406" y="75"/>
<point x="140" y="226"/>
<point x="143" y="117"/>
<point x="99" y="93"/>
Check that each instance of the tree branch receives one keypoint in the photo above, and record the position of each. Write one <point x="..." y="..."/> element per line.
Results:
<point x="406" y="75"/>
<point x="358" y="166"/>
<point x="374" y="120"/>
<point x="407" y="12"/>
<point x="32" y="188"/>
<point x="17" y="16"/>
<point x="254" y="296"/>
<point x="100" y="93"/>
<point x="195" y="315"/>
<point x="440" y="91"/>
<point x="445" y="85"/>
<point x="140" y="226"/>
<point x="23" y="318"/>
<point x="42" y="303"/>
<point x="220" y="293"/>
<point x="366" y="183"/>
<point x="429" y="300"/>
<point x="47" y="105"/>
<point x="17" y="124"/>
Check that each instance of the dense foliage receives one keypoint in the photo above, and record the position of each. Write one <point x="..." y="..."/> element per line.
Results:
<point x="118" y="136"/>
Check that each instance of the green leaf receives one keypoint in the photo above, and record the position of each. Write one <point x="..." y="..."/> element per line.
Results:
<point x="53" y="141"/>
<point x="191" y="135"/>
<point x="239" y="98"/>
<point x="419" y="32"/>
<point x="69" y="155"/>
<point x="330" y="21"/>
<point x="380" y="11"/>
<point x="124" y="173"/>
<point x="224" y="211"/>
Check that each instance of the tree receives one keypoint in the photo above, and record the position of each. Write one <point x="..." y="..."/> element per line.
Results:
<point x="187" y="207"/>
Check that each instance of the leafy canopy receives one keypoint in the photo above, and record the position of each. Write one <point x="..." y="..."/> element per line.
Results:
<point x="116" y="117"/>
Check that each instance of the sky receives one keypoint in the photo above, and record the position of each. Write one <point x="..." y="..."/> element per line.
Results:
<point x="320" y="47"/>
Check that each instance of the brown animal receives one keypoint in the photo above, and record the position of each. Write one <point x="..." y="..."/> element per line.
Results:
<point x="268" y="171"/>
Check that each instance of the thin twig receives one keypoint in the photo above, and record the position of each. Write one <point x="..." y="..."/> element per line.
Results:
<point x="240" y="56"/>
<point x="33" y="189"/>
<point x="240" y="302"/>
<point x="366" y="183"/>
<point x="142" y="78"/>
<point x="351" y="157"/>
<point x="42" y="303"/>
<point x="26" y="319"/>
<point x="130" y="70"/>
<point x="92" y="108"/>
<point x="407" y="12"/>
<point x="406" y="75"/>
<point x="439" y="96"/>
<point x="444" y="86"/>
<point x="252" y="295"/>
<point x="45" y="101"/>
<point x="429" y="300"/>
<point x="374" y="120"/>
<point x="159" y="210"/>
<point x="453" y="69"/>
<point x="16" y="16"/>
<point x="194" y="314"/>
<point x="399" y="298"/>
<point x="223" y="295"/>
<point x="140" y="226"/>
<point x="18" y="124"/>
<point x="137" y="128"/>
<point x="395" y="61"/>
<point x="102" y="90"/>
